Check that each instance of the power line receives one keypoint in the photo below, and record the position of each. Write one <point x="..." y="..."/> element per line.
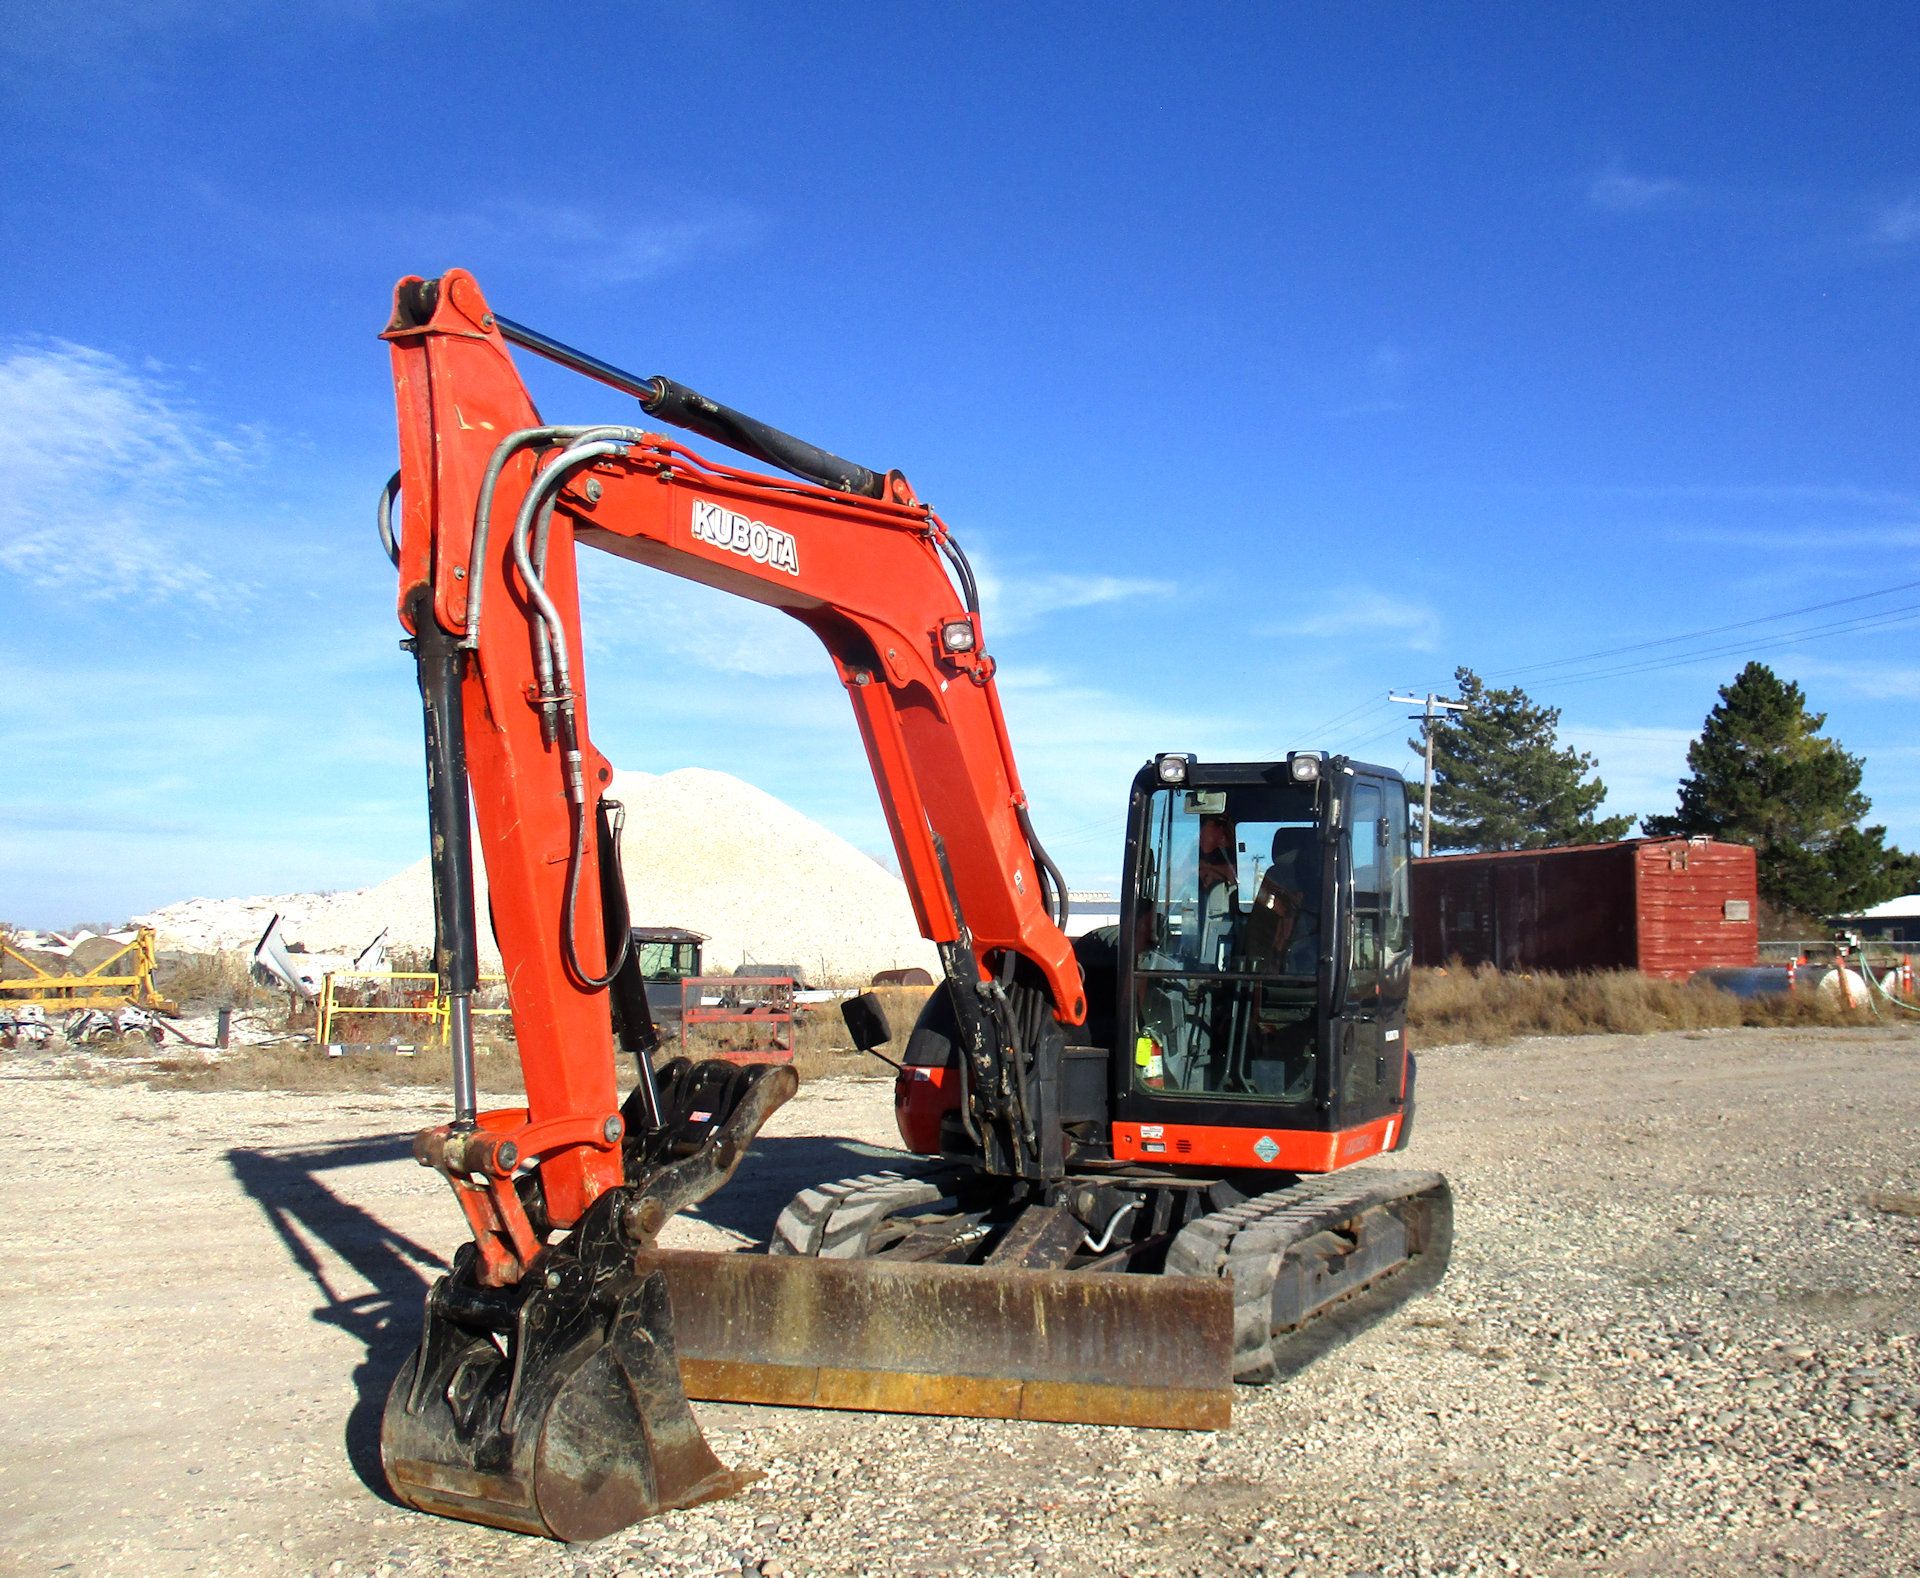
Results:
<point x="1887" y="618"/>
<point x="1712" y="630"/>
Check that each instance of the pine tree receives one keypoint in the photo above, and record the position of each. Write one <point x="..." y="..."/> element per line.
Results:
<point x="1502" y="780"/>
<point x="1761" y="773"/>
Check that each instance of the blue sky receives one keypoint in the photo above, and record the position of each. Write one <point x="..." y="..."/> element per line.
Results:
<point x="1264" y="358"/>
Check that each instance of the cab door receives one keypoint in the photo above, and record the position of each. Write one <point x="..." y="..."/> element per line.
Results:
<point x="1362" y="1044"/>
<point x="1378" y="942"/>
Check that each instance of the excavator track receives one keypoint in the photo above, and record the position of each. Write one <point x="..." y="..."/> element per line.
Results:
<point x="836" y="1221"/>
<point x="1313" y="1264"/>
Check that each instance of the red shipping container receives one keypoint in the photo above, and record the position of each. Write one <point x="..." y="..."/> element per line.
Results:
<point x="1667" y="906"/>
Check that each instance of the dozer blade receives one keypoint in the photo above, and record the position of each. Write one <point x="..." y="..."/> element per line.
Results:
<point x="979" y="1341"/>
<point x="590" y="1434"/>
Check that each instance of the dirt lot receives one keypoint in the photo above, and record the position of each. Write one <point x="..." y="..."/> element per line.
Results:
<point x="1677" y="1338"/>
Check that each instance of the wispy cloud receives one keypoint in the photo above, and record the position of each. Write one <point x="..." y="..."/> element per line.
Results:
<point x="1781" y="493"/>
<point x="632" y="608"/>
<point x="1384" y="377"/>
<point x="1385" y="619"/>
<point x="1618" y="190"/>
<point x="599" y="247"/>
<point x="108" y="468"/>
<point x="1874" y="681"/>
<point x="1895" y="224"/>
<point x="1011" y="602"/>
<point x="1641" y="767"/>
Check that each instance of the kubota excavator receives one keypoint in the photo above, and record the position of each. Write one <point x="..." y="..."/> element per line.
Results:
<point x="1130" y="1186"/>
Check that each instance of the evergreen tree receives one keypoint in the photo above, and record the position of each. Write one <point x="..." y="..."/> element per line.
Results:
<point x="1761" y="773"/>
<point x="1501" y="780"/>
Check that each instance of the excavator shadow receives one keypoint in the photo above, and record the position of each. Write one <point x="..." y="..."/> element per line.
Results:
<point x="373" y="1280"/>
<point x="778" y="1167"/>
<point x="393" y="1271"/>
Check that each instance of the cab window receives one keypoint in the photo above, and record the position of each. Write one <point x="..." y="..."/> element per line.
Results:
<point x="1367" y="840"/>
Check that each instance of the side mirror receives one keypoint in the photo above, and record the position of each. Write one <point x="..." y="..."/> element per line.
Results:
<point x="866" y="1021"/>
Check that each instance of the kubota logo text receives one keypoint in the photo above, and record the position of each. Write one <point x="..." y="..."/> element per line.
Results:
<point x="755" y="540"/>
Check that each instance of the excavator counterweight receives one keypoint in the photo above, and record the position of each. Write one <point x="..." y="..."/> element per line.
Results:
<point x="1126" y="1183"/>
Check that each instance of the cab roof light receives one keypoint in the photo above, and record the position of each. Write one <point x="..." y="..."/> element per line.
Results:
<point x="1171" y="768"/>
<point x="1303" y="766"/>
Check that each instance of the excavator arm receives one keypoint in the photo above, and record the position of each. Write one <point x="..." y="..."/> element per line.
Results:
<point x="546" y="1339"/>
<point x="492" y="504"/>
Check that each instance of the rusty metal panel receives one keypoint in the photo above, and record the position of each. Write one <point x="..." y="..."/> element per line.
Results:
<point x="1534" y="909"/>
<point x="1699" y="906"/>
<point x="979" y="1341"/>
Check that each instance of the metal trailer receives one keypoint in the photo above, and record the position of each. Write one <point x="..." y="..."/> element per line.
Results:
<point x="1664" y="906"/>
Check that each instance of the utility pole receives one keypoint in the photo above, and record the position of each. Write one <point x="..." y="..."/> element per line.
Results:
<point x="1425" y="716"/>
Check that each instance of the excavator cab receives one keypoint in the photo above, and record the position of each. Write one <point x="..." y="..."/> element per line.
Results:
<point x="1264" y="963"/>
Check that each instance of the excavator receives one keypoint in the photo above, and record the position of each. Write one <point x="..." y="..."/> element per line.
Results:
<point x="1128" y="1176"/>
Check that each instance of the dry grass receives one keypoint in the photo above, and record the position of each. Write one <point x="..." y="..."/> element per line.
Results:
<point x="822" y="1051"/>
<point x="210" y="980"/>
<point x="1491" y="1006"/>
<point x="299" y="1065"/>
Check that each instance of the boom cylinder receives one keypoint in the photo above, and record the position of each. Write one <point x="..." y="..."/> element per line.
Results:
<point x="456" y="952"/>
<point x="687" y="408"/>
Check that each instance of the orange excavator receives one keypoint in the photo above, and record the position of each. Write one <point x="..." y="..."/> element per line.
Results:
<point x="1128" y="1185"/>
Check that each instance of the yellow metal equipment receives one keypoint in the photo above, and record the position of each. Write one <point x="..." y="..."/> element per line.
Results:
<point x="121" y="978"/>
<point x="426" y="1003"/>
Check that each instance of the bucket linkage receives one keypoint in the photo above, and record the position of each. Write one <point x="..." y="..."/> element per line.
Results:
<point x="554" y="1406"/>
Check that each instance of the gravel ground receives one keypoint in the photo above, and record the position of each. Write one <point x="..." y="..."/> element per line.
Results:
<point x="1681" y="1335"/>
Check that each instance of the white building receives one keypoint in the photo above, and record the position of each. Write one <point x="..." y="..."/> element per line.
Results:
<point x="1088" y="909"/>
<point x="1897" y="920"/>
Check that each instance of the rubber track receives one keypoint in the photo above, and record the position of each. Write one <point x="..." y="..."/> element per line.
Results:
<point x="835" y="1221"/>
<point x="1248" y="1242"/>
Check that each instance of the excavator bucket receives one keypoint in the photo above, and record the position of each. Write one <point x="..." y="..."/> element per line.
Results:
<point x="983" y="1341"/>
<point x="585" y="1436"/>
<point x="553" y="1405"/>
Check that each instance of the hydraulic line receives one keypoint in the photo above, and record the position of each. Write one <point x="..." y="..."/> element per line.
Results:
<point x="1113" y="1224"/>
<point x="555" y="677"/>
<point x="559" y="711"/>
<point x="508" y="447"/>
<point x="969" y="588"/>
<point x="1054" y="885"/>
<point x="388" y="540"/>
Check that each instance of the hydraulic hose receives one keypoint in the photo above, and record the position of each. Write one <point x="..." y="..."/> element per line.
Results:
<point x="1054" y="883"/>
<point x="388" y="540"/>
<point x="557" y="700"/>
<point x="551" y="657"/>
<point x="508" y="447"/>
<point x="569" y="945"/>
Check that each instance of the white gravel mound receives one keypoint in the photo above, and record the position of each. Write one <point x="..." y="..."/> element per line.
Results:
<point x="702" y="850"/>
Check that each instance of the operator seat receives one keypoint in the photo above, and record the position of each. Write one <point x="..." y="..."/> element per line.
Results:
<point x="1283" y="928"/>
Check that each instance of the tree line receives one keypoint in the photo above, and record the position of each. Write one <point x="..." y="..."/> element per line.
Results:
<point x="1760" y="772"/>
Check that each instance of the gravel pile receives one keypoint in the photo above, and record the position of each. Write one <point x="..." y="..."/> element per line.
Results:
<point x="1676" y="1339"/>
<point x="701" y="850"/>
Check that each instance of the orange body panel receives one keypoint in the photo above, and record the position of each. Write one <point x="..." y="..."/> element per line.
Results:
<point x="921" y="1098"/>
<point x="1293" y="1150"/>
